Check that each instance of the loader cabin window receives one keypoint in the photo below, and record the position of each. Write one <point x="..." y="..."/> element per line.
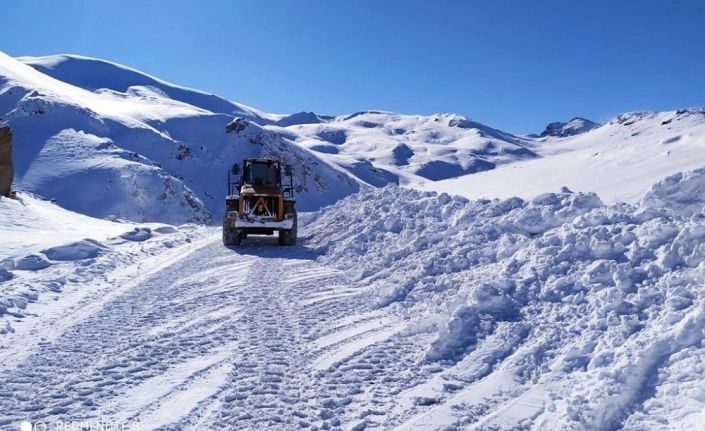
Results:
<point x="261" y="174"/>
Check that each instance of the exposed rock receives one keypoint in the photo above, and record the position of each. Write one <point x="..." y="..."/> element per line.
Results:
<point x="6" y="171"/>
<point x="575" y="126"/>
<point x="302" y="118"/>
<point x="237" y="125"/>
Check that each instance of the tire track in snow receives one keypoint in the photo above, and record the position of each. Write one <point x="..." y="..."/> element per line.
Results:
<point x="274" y="387"/>
<point x="89" y="301"/>
<point x="98" y="359"/>
<point x="181" y="386"/>
<point x="257" y="337"/>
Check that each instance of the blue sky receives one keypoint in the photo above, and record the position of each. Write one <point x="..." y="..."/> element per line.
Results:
<point x="515" y="65"/>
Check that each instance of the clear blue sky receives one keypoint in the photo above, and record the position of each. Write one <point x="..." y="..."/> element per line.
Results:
<point x="516" y="65"/>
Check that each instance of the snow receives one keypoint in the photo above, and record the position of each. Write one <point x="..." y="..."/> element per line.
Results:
<point x="382" y="147"/>
<point x="619" y="161"/>
<point x="134" y="147"/>
<point x="144" y="233"/>
<point x="30" y="225"/>
<point x="84" y="249"/>
<point x="148" y="137"/>
<point x="400" y="309"/>
<point x="683" y="193"/>
<point x="93" y="74"/>
<point x="599" y="299"/>
<point x="558" y="284"/>
<point x="41" y="240"/>
<point x="31" y="262"/>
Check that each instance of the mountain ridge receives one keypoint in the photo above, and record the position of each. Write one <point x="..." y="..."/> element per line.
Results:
<point x="134" y="134"/>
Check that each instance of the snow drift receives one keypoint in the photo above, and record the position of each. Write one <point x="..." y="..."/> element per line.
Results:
<point x="604" y="304"/>
<point x="47" y="249"/>
<point x="683" y="193"/>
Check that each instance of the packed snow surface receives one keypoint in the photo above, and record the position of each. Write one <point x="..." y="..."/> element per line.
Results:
<point x="399" y="309"/>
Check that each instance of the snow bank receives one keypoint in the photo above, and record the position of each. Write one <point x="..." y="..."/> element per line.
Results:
<point x="84" y="249"/>
<point x="45" y="249"/>
<point x="435" y="234"/>
<point x="683" y="193"/>
<point x="605" y="302"/>
<point x="141" y="234"/>
<point x="29" y="225"/>
<point x="31" y="262"/>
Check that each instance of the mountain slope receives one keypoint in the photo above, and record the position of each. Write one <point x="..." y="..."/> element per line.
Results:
<point x="145" y="149"/>
<point x="152" y="150"/>
<point x="384" y="147"/>
<point x="58" y="127"/>
<point x="139" y="154"/>
<point x="100" y="75"/>
<point x="619" y="161"/>
<point x="573" y="127"/>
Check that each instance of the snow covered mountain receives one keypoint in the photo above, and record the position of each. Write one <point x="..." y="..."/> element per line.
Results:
<point x="619" y="160"/>
<point x="107" y="140"/>
<point x="114" y="142"/>
<point x="100" y="76"/>
<point x="384" y="147"/>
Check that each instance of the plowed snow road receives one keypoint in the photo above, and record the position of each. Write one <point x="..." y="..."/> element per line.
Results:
<point x="261" y="337"/>
<point x="202" y="337"/>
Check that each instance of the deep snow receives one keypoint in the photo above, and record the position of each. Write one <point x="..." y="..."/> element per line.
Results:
<point x="599" y="309"/>
<point x="30" y="224"/>
<point x="400" y="309"/>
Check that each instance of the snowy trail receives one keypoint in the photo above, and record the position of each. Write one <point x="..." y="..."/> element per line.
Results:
<point x="262" y="337"/>
<point x="201" y="337"/>
<point x="179" y="332"/>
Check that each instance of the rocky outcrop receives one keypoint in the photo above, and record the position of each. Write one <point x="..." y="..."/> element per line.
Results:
<point x="574" y="127"/>
<point x="6" y="172"/>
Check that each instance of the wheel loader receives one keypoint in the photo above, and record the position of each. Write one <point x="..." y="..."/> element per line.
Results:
<point x="260" y="201"/>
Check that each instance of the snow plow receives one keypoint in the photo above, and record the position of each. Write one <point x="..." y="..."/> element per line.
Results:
<point x="260" y="201"/>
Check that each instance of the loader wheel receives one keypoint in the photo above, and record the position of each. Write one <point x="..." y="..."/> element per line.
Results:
<point x="288" y="237"/>
<point x="231" y="238"/>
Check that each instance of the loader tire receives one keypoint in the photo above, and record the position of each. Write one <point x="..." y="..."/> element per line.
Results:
<point x="231" y="238"/>
<point x="288" y="237"/>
